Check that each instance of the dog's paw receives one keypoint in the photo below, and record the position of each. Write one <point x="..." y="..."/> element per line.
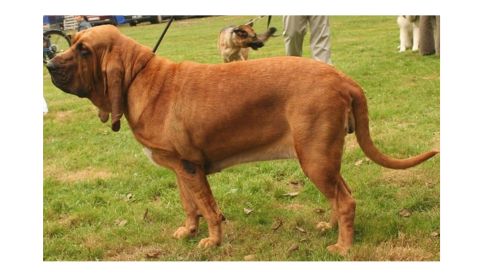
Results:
<point x="208" y="242"/>
<point x="184" y="232"/>
<point x="323" y="227"/>
<point x="338" y="249"/>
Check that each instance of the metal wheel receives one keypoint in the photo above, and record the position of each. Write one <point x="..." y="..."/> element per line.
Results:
<point x="54" y="42"/>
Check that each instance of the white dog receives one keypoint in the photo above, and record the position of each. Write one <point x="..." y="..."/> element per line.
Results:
<point x="409" y="29"/>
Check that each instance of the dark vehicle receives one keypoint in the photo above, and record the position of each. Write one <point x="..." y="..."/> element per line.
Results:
<point x="53" y="22"/>
<point x="134" y="20"/>
<point x="99" y="20"/>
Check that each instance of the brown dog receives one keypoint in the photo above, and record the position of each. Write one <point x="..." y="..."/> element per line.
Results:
<point x="195" y="119"/>
<point x="234" y="42"/>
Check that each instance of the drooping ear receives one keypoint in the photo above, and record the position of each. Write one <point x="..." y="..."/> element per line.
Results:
<point x="113" y="73"/>
<point x="103" y="116"/>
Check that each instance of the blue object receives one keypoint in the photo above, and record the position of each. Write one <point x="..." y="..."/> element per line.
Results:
<point x="120" y="19"/>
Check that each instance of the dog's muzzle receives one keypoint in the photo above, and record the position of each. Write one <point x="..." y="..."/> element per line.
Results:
<point x="256" y="45"/>
<point x="55" y="74"/>
<point x="62" y="79"/>
<point x="58" y="78"/>
<point x="50" y="66"/>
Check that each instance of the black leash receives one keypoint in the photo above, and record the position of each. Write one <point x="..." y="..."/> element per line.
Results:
<point x="163" y="34"/>
<point x="257" y="18"/>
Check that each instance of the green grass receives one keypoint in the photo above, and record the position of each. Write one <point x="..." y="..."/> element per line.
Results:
<point x="98" y="184"/>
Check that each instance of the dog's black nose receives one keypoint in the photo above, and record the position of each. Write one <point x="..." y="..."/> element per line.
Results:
<point x="50" y="66"/>
<point x="256" y="45"/>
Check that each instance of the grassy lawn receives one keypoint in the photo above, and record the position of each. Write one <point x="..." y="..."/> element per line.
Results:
<point x="104" y="200"/>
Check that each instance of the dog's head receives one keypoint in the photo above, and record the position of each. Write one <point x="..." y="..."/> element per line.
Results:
<point x="246" y="36"/>
<point x="100" y="65"/>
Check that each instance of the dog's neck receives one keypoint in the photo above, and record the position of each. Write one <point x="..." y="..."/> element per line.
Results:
<point x="142" y="57"/>
<point x="145" y="99"/>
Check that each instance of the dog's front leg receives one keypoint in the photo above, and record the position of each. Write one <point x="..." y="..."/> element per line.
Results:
<point x="416" y="37"/>
<point x="244" y="53"/>
<point x="193" y="179"/>
<point x="190" y="226"/>
<point x="404" y="38"/>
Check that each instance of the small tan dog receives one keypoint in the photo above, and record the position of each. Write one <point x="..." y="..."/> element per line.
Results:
<point x="234" y="41"/>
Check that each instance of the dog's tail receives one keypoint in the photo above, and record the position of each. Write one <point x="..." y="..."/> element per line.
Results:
<point x="362" y="132"/>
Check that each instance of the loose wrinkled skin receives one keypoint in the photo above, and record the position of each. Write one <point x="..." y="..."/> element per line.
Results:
<point x="196" y="119"/>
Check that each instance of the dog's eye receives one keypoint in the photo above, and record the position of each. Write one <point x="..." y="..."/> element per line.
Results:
<point x="241" y="33"/>
<point x="84" y="51"/>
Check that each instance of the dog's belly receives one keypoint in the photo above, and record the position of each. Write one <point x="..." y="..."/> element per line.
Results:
<point x="281" y="149"/>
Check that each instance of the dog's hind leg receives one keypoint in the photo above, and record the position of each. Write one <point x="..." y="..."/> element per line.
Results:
<point x="344" y="214"/>
<point x="322" y="226"/>
<point x="320" y="157"/>
<point x="193" y="180"/>
<point x="343" y="205"/>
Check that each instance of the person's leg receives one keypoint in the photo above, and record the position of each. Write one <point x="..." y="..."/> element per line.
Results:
<point x="436" y="35"/>
<point x="295" y="28"/>
<point x="320" y="38"/>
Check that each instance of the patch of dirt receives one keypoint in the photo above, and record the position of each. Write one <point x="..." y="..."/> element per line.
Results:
<point x="62" y="116"/>
<point x="432" y="77"/>
<point x="92" y="242"/>
<point x="403" y="248"/>
<point x="68" y="220"/>
<point x="294" y="206"/>
<point x="87" y="174"/>
<point x="399" y="176"/>
<point x="387" y="252"/>
<point x="68" y="176"/>
<point x="135" y="253"/>
<point x="408" y="176"/>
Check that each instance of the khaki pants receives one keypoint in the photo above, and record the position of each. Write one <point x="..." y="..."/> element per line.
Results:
<point x="295" y="28"/>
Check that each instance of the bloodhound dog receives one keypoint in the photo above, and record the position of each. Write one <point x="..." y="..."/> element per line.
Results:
<point x="197" y="119"/>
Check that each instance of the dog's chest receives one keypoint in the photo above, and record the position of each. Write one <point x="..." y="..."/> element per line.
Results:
<point x="149" y="154"/>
